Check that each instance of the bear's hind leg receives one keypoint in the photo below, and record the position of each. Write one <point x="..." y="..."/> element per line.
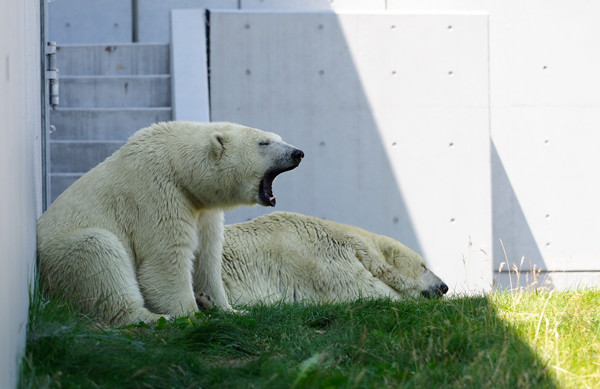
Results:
<point x="91" y="268"/>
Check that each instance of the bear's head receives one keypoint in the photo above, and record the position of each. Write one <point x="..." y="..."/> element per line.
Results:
<point x="225" y="164"/>
<point x="411" y="275"/>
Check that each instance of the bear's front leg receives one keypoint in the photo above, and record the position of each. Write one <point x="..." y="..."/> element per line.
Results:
<point x="208" y="263"/>
<point x="165" y="280"/>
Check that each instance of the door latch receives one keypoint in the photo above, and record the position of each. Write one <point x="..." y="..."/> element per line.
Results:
<point x="52" y="74"/>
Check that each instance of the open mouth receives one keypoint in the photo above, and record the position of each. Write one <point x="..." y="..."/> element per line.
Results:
<point x="265" y="189"/>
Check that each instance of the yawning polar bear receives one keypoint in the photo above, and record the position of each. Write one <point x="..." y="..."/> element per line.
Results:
<point x="141" y="234"/>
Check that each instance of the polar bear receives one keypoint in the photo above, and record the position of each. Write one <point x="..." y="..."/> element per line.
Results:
<point x="141" y="235"/>
<point x="292" y="257"/>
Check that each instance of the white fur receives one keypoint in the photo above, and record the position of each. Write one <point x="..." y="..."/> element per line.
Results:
<point x="293" y="257"/>
<point x="137" y="236"/>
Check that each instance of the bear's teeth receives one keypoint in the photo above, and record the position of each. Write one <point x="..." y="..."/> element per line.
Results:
<point x="272" y="198"/>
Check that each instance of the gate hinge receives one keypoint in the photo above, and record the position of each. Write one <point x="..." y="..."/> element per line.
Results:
<point x="52" y="74"/>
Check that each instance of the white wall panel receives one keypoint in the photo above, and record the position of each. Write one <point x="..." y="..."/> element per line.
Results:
<point x="313" y="5"/>
<point x="545" y="132"/>
<point x="153" y="19"/>
<point x="572" y="280"/>
<point x="189" y="74"/>
<point x="550" y="155"/>
<point x="554" y="53"/>
<point x="20" y="171"/>
<point x="392" y="112"/>
<point x="545" y="110"/>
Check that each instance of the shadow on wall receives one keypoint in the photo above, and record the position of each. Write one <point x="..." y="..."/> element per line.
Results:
<point x="297" y="77"/>
<point x="392" y="111"/>
<point x="514" y="243"/>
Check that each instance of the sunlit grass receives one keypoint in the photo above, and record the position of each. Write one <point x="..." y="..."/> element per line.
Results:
<point x="562" y="327"/>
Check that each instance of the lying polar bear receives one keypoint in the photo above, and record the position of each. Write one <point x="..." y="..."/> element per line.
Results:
<point x="292" y="257"/>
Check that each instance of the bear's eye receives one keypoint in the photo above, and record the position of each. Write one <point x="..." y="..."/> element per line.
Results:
<point x="264" y="143"/>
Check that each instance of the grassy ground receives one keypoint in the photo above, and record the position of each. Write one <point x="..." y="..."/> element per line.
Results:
<point x="503" y="340"/>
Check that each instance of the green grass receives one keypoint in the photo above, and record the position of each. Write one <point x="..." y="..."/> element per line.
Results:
<point x="502" y="340"/>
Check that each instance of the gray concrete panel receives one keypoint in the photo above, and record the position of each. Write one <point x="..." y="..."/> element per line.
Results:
<point x="108" y="91"/>
<point x="104" y="123"/>
<point x="86" y="154"/>
<point x="392" y="113"/>
<point x="90" y="21"/>
<point x="315" y="5"/>
<point x="153" y="16"/>
<point x="60" y="182"/>
<point x="119" y="60"/>
<point x="534" y="279"/>
<point x="549" y="156"/>
<point x="544" y="114"/>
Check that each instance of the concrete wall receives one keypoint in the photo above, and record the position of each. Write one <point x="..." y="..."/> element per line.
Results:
<point x="545" y="111"/>
<point x="20" y="192"/>
<point x="543" y="115"/>
<point x="398" y="145"/>
<point x="91" y="21"/>
<point x="119" y="21"/>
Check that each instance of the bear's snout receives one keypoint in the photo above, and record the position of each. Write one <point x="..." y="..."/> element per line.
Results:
<point x="443" y="289"/>
<point x="297" y="155"/>
<point x="436" y="291"/>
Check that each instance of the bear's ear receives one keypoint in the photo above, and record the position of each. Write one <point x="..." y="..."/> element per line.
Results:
<point x="216" y="145"/>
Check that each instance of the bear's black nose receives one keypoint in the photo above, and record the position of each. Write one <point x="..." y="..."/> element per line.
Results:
<point x="443" y="288"/>
<point x="438" y="291"/>
<point x="297" y="154"/>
